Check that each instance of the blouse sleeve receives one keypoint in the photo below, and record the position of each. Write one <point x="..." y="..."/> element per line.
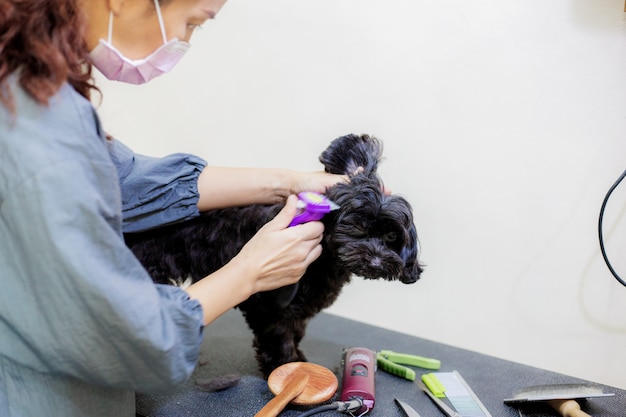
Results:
<point x="76" y="306"/>
<point x="156" y="191"/>
<point x="77" y="302"/>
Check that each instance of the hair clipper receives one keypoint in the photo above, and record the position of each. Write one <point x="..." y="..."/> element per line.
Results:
<point x="359" y="368"/>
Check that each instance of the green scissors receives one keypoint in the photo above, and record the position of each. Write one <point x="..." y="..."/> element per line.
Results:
<point x="391" y="362"/>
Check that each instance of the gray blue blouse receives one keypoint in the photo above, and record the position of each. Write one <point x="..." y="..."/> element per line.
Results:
<point x="82" y="326"/>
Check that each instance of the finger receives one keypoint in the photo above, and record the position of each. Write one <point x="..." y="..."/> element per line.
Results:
<point x="314" y="254"/>
<point x="287" y="213"/>
<point x="311" y="231"/>
<point x="344" y="179"/>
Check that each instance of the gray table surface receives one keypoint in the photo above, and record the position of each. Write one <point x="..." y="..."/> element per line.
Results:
<point x="227" y="349"/>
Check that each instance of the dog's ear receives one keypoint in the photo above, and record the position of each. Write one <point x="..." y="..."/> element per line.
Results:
<point x="409" y="255"/>
<point x="352" y="154"/>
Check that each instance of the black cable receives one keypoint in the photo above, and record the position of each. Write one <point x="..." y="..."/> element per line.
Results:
<point x="600" y="234"/>
<point x="341" y="406"/>
<point x="327" y="407"/>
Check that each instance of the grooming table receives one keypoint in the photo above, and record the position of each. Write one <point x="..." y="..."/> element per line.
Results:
<point x="227" y="349"/>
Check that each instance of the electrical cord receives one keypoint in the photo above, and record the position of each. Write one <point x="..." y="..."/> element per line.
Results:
<point x="327" y="407"/>
<point x="342" y="406"/>
<point x="600" y="234"/>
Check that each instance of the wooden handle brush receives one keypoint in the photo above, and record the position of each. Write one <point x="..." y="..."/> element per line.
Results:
<point x="568" y="408"/>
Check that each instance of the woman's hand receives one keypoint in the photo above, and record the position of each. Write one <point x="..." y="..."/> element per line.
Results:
<point x="279" y="255"/>
<point x="315" y="181"/>
<point x="276" y="256"/>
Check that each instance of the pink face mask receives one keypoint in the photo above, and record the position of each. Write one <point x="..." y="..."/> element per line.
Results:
<point x="115" y="66"/>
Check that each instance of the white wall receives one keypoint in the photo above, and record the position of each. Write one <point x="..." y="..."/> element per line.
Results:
<point x="504" y="124"/>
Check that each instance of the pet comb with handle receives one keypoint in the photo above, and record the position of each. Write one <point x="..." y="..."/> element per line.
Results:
<point x="312" y="206"/>
<point x="561" y="397"/>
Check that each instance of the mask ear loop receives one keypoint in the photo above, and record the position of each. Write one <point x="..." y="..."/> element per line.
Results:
<point x="160" y="17"/>
<point x="110" y="26"/>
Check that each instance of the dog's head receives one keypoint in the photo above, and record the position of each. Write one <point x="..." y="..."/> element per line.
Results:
<point x="372" y="233"/>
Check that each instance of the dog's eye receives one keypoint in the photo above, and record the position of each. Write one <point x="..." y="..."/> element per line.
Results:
<point x="359" y="231"/>
<point x="391" y="237"/>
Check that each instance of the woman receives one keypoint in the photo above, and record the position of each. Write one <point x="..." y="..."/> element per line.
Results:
<point x="82" y="325"/>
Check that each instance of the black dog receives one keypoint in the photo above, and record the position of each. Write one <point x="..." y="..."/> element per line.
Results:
<point x="371" y="235"/>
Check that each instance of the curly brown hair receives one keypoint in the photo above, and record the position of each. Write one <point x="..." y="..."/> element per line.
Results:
<point x="44" y="41"/>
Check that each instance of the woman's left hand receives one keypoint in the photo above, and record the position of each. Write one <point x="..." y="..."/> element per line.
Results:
<point x="317" y="181"/>
<point x="221" y="187"/>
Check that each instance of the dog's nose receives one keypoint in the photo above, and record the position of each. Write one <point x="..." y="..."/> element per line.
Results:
<point x="409" y="280"/>
<point x="411" y="275"/>
<point x="376" y="262"/>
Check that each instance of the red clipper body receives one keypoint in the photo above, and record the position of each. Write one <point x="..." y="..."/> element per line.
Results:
<point x="359" y="368"/>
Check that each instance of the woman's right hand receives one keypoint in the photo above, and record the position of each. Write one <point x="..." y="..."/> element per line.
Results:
<point x="279" y="255"/>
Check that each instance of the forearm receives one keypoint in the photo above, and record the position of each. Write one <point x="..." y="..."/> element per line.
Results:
<point x="222" y="290"/>
<point x="221" y="187"/>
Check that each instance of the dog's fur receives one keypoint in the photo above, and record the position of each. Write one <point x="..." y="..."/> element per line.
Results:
<point x="371" y="235"/>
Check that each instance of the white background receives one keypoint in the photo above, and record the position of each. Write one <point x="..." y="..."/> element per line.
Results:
<point x="504" y="124"/>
